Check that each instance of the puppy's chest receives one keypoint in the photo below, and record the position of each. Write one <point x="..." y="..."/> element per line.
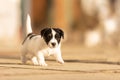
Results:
<point x="50" y="51"/>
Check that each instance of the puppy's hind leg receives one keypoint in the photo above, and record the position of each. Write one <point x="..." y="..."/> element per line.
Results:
<point x="23" y="57"/>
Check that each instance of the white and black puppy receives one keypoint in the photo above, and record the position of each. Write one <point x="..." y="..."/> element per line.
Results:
<point x="39" y="46"/>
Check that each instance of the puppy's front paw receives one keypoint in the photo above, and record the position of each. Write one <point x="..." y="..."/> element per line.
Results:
<point x="42" y="64"/>
<point x="61" y="61"/>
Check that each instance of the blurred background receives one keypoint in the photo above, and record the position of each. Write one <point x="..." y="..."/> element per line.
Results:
<point x="90" y="26"/>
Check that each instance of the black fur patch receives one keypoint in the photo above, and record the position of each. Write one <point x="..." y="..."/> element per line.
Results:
<point x="30" y="35"/>
<point x="59" y="31"/>
<point x="47" y="34"/>
<point x="59" y="34"/>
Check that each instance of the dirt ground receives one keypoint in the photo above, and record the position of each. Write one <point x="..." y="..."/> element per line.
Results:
<point x="81" y="63"/>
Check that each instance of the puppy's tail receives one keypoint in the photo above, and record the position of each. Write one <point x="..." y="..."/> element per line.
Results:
<point x="28" y="24"/>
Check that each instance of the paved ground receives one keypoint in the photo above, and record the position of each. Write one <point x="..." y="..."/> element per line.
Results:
<point x="80" y="64"/>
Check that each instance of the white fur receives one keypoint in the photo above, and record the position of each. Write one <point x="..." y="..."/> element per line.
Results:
<point x="28" y="25"/>
<point x="39" y="49"/>
<point x="53" y="40"/>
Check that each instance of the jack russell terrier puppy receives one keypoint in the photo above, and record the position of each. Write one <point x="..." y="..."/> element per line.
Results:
<point x="39" y="46"/>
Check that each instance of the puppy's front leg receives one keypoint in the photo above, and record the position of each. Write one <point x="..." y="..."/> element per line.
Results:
<point x="35" y="61"/>
<point x="41" y="59"/>
<point x="59" y="57"/>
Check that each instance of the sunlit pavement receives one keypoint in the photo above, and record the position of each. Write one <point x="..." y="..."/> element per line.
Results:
<point x="80" y="64"/>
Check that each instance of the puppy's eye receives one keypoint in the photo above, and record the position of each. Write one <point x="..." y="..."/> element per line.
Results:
<point x="49" y="35"/>
<point x="57" y="36"/>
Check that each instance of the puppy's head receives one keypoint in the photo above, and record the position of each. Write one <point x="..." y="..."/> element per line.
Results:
<point x="52" y="36"/>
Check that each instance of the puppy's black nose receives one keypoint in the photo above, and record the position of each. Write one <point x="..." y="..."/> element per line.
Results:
<point x="53" y="44"/>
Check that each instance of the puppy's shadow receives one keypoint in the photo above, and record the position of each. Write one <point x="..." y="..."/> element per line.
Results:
<point x="93" y="62"/>
<point x="88" y="61"/>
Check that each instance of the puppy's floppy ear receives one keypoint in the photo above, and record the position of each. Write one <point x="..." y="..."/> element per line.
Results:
<point x="60" y="32"/>
<point x="43" y="31"/>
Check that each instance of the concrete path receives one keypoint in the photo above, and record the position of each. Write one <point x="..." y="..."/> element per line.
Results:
<point x="12" y="69"/>
<point x="80" y="64"/>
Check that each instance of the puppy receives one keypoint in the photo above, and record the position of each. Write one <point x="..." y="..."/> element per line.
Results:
<point x="39" y="46"/>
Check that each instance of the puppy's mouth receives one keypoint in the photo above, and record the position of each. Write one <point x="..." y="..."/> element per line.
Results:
<point x="52" y="45"/>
